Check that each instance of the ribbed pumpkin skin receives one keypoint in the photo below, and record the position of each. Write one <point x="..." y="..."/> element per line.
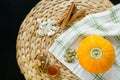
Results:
<point x="90" y="64"/>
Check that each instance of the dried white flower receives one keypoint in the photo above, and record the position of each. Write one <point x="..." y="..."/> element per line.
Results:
<point x="40" y="32"/>
<point x="40" y="27"/>
<point x="49" y="26"/>
<point x="50" y="33"/>
<point x="46" y="27"/>
<point x="46" y="31"/>
<point x="54" y="28"/>
<point x="44" y="23"/>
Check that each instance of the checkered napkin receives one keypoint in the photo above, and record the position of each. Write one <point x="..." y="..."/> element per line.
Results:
<point x="106" y="24"/>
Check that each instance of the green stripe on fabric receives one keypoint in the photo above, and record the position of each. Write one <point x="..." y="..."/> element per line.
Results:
<point x="117" y="48"/>
<point x="75" y="67"/>
<point x="118" y="54"/>
<point x="101" y="25"/>
<point x="113" y="16"/>
<point x="98" y="77"/>
<point x="109" y="19"/>
<point x="119" y="51"/>
<point x="59" y="42"/>
<point x="117" y="39"/>
<point x="117" y="65"/>
<point x="107" y="14"/>
<point x="78" y="71"/>
<point x="75" y="30"/>
<point x="98" y="26"/>
<point x="80" y="34"/>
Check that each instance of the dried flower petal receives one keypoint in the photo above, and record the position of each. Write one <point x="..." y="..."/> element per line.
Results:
<point x="53" y="28"/>
<point x="50" y="33"/>
<point x="40" y="32"/>
<point x="44" y="23"/>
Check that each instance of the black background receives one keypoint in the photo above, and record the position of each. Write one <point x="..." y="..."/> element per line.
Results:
<point x="12" y="13"/>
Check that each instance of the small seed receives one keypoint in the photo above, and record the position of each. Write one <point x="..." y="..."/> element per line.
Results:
<point x="70" y="55"/>
<point x="69" y="60"/>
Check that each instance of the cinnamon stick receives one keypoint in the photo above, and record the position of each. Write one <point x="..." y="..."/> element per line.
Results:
<point x="66" y="19"/>
<point x="77" y="14"/>
<point x="62" y="18"/>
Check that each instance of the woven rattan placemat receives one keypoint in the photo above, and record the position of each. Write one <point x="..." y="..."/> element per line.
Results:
<point x="30" y="44"/>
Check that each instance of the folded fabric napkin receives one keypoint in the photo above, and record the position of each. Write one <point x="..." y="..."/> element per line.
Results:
<point x="106" y="24"/>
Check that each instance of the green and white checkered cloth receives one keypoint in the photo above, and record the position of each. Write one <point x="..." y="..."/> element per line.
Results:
<point x="106" y="24"/>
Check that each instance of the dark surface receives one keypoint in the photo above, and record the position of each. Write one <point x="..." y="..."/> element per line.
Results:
<point x="12" y="14"/>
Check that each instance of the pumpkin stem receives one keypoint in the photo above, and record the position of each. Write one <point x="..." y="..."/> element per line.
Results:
<point x="96" y="53"/>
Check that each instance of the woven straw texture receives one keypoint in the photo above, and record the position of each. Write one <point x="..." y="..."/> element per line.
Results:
<point x="30" y="44"/>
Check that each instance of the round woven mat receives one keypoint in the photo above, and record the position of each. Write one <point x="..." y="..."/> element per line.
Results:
<point x="30" y="44"/>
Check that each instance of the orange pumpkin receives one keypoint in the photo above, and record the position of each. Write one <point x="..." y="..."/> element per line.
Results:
<point x="96" y="54"/>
